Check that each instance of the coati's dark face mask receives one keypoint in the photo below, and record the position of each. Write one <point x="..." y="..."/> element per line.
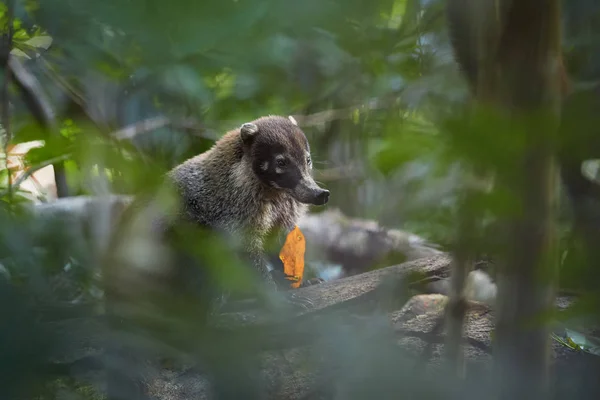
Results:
<point x="281" y="158"/>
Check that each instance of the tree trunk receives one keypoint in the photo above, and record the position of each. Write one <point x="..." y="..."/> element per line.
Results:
<point x="524" y="79"/>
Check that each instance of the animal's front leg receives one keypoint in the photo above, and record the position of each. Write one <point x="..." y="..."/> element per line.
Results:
<point x="266" y="293"/>
<point x="270" y="295"/>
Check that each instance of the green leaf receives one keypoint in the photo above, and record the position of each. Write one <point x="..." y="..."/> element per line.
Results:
<point x="583" y="342"/>
<point x="42" y="42"/>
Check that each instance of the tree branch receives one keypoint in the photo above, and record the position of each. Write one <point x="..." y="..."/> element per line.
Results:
<point x="40" y="107"/>
<point x="323" y="117"/>
<point x="151" y="124"/>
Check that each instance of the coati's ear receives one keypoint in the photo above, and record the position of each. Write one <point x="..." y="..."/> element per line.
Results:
<point x="292" y="120"/>
<point x="248" y="131"/>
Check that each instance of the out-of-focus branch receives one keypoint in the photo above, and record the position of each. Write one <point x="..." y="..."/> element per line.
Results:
<point x="73" y="93"/>
<point x="7" y="45"/>
<point x="151" y="124"/>
<point x="323" y="117"/>
<point x="39" y="105"/>
<point x="33" y="95"/>
<point x="30" y="171"/>
<point x="463" y="258"/>
<point x="339" y="173"/>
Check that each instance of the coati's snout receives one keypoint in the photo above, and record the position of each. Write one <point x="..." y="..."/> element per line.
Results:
<point x="280" y="156"/>
<point x="307" y="191"/>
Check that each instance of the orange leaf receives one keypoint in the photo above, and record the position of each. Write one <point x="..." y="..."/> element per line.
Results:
<point x="292" y="256"/>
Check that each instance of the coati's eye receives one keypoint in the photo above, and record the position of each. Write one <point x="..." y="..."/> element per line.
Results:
<point x="308" y="160"/>
<point x="280" y="162"/>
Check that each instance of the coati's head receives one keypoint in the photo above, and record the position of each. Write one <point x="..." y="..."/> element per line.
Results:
<point x="280" y="157"/>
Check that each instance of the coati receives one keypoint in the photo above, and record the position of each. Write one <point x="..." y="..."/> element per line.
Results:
<point x="255" y="180"/>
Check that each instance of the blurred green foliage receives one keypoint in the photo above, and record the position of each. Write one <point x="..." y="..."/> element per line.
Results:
<point x="207" y="66"/>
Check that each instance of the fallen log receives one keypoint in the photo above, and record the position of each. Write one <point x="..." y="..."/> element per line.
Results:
<point x="359" y="245"/>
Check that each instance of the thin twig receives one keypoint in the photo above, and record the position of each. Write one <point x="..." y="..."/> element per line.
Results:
<point x="27" y="173"/>
<point x="73" y="93"/>
<point x="34" y="96"/>
<point x="323" y="117"/>
<point x="327" y="116"/>
<point x="151" y="124"/>
<point x="5" y="99"/>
